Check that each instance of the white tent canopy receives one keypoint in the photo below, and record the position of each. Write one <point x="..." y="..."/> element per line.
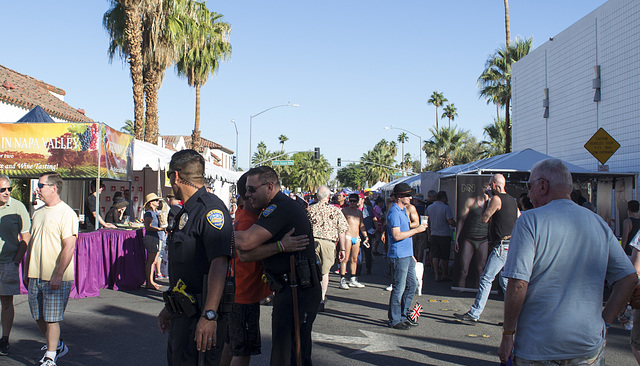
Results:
<point x="158" y="158"/>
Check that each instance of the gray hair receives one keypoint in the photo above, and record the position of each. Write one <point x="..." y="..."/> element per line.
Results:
<point x="5" y="177"/>
<point x="432" y="193"/>
<point x="555" y="172"/>
<point x="323" y="192"/>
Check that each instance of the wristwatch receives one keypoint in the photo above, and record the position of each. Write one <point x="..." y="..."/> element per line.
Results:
<point x="210" y="315"/>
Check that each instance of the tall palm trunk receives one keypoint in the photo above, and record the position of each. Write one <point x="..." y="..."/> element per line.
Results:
<point x="507" y="119"/>
<point x="133" y="31"/>
<point x="436" y="117"/>
<point x="151" y="87"/>
<point x="195" y="136"/>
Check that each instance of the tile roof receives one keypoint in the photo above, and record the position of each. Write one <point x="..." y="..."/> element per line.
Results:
<point x="27" y="92"/>
<point x="173" y="139"/>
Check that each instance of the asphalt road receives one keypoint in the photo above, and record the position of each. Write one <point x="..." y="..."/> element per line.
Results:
<point x="119" y="328"/>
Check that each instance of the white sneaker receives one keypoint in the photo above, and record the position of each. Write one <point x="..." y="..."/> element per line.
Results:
<point x="390" y="288"/>
<point x="354" y="283"/>
<point x="343" y="284"/>
<point x="47" y="362"/>
<point x="61" y="350"/>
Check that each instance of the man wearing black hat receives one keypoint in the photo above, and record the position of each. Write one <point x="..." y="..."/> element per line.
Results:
<point x="401" y="257"/>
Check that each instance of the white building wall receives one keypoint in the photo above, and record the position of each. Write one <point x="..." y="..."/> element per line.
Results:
<point x="609" y="37"/>
<point x="12" y="113"/>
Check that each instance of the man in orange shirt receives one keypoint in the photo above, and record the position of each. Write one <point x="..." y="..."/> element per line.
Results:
<point x="243" y="336"/>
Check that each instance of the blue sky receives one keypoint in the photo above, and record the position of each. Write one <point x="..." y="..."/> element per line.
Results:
<point x="353" y="66"/>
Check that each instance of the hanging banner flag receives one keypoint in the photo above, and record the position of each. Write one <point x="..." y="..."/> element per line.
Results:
<point x="70" y="149"/>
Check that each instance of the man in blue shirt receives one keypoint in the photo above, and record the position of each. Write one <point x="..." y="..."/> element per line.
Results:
<point x="401" y="257"/>
<point x="559" y="258"/>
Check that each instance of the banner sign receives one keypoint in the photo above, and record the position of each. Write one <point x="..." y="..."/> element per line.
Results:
<point x="70" y="149"/>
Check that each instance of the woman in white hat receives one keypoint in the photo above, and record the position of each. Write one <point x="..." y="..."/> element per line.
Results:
<point x="153" y="235"/>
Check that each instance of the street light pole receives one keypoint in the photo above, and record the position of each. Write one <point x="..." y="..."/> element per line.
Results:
<point x="251" y="124"/>
<point x="390" y="127"/>
<point x="233" y="120"/>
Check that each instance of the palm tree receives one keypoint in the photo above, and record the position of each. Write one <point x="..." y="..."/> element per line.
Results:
<point x="495" y="144"/>
<point x="450" y="111"/>
<point x="261" y="155"/>
<point x="443" y="146"/>
<point x="402" y="138"/>
<point x="206" y="43"/>
<point x="495" y="80"/>
<point x="123" y="21"/>
<point x="437" y="99"/>
<point x="310" y="173"/>
<point x="378" y="162"/>
<point x="282" y="139"/>
<point x="507" y="27"/>
<point x="128" y="127"/>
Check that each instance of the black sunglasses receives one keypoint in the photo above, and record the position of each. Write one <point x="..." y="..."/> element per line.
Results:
<point x="6" y="189"/>
<point x="41" y="185"/>
<point x="252" y="189"/>
<point x="356" y="201"/>
<point x="172" y="172"/>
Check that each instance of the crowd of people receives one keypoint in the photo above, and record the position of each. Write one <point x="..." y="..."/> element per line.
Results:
<point x="283" y="248"/>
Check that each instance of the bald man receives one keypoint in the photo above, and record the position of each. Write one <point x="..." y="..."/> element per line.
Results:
<point x="503" y="212"/>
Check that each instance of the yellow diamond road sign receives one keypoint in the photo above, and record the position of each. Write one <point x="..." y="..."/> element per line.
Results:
<point x="601" y="145"/>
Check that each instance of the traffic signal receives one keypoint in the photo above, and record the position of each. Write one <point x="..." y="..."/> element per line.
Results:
<point x="234" y="160"/>
<point x="317" y="153"/>
<point x="339" y="162"/>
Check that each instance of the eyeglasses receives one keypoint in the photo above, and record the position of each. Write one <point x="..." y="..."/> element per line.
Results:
<point x="529" y="184"/>
<point x="6" y="189"/>
<point x="403" y="195"/>
<point x="172" y="172"/>
<point x="252" y="189"/>
<point x="41" y="185"/>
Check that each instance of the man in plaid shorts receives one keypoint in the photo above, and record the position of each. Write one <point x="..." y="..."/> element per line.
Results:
<point x="54" y="231"/>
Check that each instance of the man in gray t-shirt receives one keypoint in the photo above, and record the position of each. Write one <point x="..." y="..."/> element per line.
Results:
<point x="560" y="256"/>
<point x="439" y="232"/>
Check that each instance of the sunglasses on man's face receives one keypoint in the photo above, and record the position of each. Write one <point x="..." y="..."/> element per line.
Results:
<point x="172" y="172"/>
<point x="252" y="189"/>
<point x="2" y="190"/>
<point x="41" y="185"/>
<point x="354" y="201"/>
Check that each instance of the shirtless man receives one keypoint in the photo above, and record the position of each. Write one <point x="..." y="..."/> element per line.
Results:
<point x="356" y="227"/>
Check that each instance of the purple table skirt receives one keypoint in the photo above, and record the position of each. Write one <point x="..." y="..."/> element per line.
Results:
<point x="107" y="258"/>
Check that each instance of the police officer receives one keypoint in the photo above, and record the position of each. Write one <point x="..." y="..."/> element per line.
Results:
<point x="199" y="246"/>
<point x="280" y="216"/>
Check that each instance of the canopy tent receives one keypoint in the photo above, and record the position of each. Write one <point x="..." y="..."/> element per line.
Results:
<point x="516" y="161"/>
<point x="412" y="180"/>
<point x="158" y="158"/>
<point x="37" y="114"/>
<point x="609" y="190"/>
<point x="376" y="187"/>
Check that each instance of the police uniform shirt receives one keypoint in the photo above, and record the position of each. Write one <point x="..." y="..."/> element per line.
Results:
<point x="282" y="214"/>
<point x="202" y="232"/>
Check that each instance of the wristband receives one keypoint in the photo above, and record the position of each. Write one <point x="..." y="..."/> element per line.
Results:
<point x="508" y="332"/>
<point x="607" y="325"/>
<point x="280" y="247"/>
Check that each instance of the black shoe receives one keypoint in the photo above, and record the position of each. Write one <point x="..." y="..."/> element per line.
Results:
<point x="321" y="307"/>
<point x="401" y="326"/>
<point x="465" y="317"/>
<point x="4" y="346"/>
<point x="413" y="323"/>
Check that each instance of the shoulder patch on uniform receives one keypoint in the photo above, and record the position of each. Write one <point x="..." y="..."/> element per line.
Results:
<point x="267" y="211"/>
<point x="216" y="218"/>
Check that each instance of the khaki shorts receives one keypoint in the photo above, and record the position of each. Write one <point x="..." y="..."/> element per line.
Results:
<point x="9" y="279"/>
<point x="326" y="251"/>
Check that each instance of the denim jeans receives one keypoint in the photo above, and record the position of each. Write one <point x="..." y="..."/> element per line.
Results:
<point x="404" y="288"/>
<point x="496" y="261"/>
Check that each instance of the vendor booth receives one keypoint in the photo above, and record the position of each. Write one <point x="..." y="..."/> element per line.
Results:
<point x="607" y="192"/>
<point x="79" y="152"/>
